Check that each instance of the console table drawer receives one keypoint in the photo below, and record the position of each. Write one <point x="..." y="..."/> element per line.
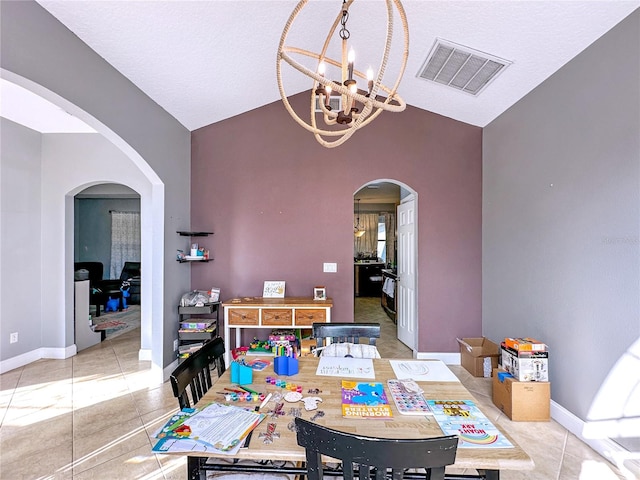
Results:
<point x="243" y="316"/>
<point x="308" y="316"/>
<point x="272" y="316"/>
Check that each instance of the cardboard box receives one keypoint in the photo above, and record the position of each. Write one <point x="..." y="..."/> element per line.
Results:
<point x="478" y="355"/>
<point x="525" y="366"/>
<point x="525" y="344"/>
<point x="521" y="401"/>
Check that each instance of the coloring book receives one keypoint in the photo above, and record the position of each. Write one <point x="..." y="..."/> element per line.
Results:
<point x="364" y="400"/>
<point x="464" y="419"/>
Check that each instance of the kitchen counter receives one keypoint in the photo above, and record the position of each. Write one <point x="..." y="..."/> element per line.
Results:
<point x="368" y="278"/>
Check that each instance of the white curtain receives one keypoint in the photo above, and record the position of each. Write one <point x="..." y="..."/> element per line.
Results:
<point x="390" y="233"/>
<point x="367" y="243"/>
<point x="125" y="240"/>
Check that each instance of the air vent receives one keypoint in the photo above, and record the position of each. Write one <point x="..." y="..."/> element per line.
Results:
<point x="334" y="101"/>
<point x="461" y="67"/>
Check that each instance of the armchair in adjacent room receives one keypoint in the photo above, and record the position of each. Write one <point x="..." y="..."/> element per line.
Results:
<point x="131" y="273"/>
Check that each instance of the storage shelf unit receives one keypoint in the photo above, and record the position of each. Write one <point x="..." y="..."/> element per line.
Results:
<point x="198" y="334"/>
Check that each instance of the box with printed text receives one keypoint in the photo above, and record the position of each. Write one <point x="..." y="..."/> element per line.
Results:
<point x="525" y="366"/>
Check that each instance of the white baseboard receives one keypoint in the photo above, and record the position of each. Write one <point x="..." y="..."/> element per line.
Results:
<point x="168" y="369"/>
<point x="448" y="358"/>
<point x="34" y="355"/>
<point x="144" y="354"/>
<point x="627" y="462"/>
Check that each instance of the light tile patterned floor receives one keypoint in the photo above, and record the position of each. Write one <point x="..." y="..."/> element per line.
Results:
<point x="91" y="417"/>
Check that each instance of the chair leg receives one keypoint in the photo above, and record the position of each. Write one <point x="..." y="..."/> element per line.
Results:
<point x="193" y="469"/>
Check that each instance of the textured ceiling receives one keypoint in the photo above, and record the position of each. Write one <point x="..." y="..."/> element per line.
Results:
<point x="205" y="61"/>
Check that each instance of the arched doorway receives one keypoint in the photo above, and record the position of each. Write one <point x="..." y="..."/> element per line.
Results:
<point x="71" y="163"/>
<point x="385" y="257"/>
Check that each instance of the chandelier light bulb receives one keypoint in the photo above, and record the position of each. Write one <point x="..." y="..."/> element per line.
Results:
<point x="322" y="68"/>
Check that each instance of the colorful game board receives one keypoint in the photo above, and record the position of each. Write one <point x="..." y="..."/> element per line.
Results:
<point x="407" y="403"/>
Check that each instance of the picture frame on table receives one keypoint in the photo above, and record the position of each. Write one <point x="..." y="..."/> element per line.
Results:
<point x="319" y="293"/>
<point x="273" y="289"/>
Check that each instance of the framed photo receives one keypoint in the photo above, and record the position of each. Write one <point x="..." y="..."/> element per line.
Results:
<point x="273" y="289"/>
<point x="319" y="293"/>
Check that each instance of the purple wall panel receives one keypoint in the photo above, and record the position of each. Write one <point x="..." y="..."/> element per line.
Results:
<point x="280" y="205"/>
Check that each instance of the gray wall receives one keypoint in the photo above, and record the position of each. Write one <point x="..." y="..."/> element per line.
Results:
<point x="561" y="216"/>
<point x="36" y="47"/>
<point x="20" y="244"/>
<point x="93" y="228"/>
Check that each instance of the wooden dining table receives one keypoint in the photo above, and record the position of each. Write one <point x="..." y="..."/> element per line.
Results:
<point x="489" y="462"/>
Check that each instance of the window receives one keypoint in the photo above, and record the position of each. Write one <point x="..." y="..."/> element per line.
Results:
<point x="382" y="240"/>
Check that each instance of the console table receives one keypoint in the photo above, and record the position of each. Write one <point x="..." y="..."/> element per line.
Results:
<point x="260" y="312"/>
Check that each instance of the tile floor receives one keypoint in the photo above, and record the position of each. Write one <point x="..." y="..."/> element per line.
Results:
<point x="91" y="417"/>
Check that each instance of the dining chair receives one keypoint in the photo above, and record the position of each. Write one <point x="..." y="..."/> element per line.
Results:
<point x="362" y="457"/>
<point x="192" y="378"/>
<point x="345" y="332"/>
<point x="190" y="381"/>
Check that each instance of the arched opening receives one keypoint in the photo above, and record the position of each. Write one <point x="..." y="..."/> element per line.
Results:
<point x="385" y="256"/>
<point x="70" y="163"/>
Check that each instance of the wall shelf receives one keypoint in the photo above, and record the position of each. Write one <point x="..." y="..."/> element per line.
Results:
<point x="193" y="234"/>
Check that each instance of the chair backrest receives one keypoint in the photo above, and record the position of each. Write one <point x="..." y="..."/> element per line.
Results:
<point x="389" y="457"/>
<point x="345" y="332"/>
<point x="192" y="378"/>
<point x="130" y="270"/>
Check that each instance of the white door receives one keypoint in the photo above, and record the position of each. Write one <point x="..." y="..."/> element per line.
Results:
<point x="407" y="311"/>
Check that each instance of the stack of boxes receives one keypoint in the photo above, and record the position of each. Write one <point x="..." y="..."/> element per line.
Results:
<point x="521" y="387"/>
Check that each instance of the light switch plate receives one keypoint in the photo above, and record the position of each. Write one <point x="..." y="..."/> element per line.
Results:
<point x="330" y="267"/>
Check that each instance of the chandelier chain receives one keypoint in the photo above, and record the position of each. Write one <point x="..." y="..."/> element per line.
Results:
<point x="344" y="33"/>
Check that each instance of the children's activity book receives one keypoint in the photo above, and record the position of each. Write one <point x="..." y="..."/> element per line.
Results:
<point x="364" y="400"/>
<point x="216" y="428"/>
<point x="464" y="419"/>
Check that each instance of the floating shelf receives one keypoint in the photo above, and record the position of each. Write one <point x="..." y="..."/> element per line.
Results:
<point x="194" y="234"/>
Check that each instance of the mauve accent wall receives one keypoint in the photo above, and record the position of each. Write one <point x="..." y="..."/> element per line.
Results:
<point x="280" y="205"/>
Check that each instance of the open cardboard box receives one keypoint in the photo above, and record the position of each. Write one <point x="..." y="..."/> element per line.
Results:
<point x="478" y="355"/>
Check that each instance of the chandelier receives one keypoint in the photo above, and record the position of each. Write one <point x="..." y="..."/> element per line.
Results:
<point x="359" y="106"/>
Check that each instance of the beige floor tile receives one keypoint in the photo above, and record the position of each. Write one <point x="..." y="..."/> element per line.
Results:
<point x="137" y="462"/>
<point x="112" y="441"/>
<point x="51" y="439"/>
<point x="103" y="414"/>
<point x="153" y="399"/>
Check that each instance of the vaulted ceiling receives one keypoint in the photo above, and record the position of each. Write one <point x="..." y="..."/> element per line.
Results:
<point x="206" y="61"/>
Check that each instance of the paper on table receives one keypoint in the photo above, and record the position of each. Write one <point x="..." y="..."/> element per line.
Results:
<point x="217" y="427"/>
<point x="346" y="367"/>
<point x="423" y="370"/>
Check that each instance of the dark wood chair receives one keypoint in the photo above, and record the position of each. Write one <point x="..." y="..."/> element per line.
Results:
<point x="192" y="378"/>
<point x="345" y="332"/>
<point x="362" y="457"/>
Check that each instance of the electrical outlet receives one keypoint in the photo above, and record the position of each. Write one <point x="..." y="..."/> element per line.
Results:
<point x="13" y="337"/>
<point x="175" y="345"/>
<point x="330" y="267"/>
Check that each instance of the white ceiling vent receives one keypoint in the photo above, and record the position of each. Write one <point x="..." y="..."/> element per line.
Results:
<point x="461" y="67"/>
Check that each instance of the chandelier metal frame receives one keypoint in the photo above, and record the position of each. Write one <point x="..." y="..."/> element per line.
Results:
<point x="372" y="104"/>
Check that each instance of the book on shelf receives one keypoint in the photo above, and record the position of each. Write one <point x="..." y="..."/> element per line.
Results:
<point x="190" y="347"/>
<point x="365" y="400"/>
<point x="196" y="325"/>
<point x="195" y="335"/>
